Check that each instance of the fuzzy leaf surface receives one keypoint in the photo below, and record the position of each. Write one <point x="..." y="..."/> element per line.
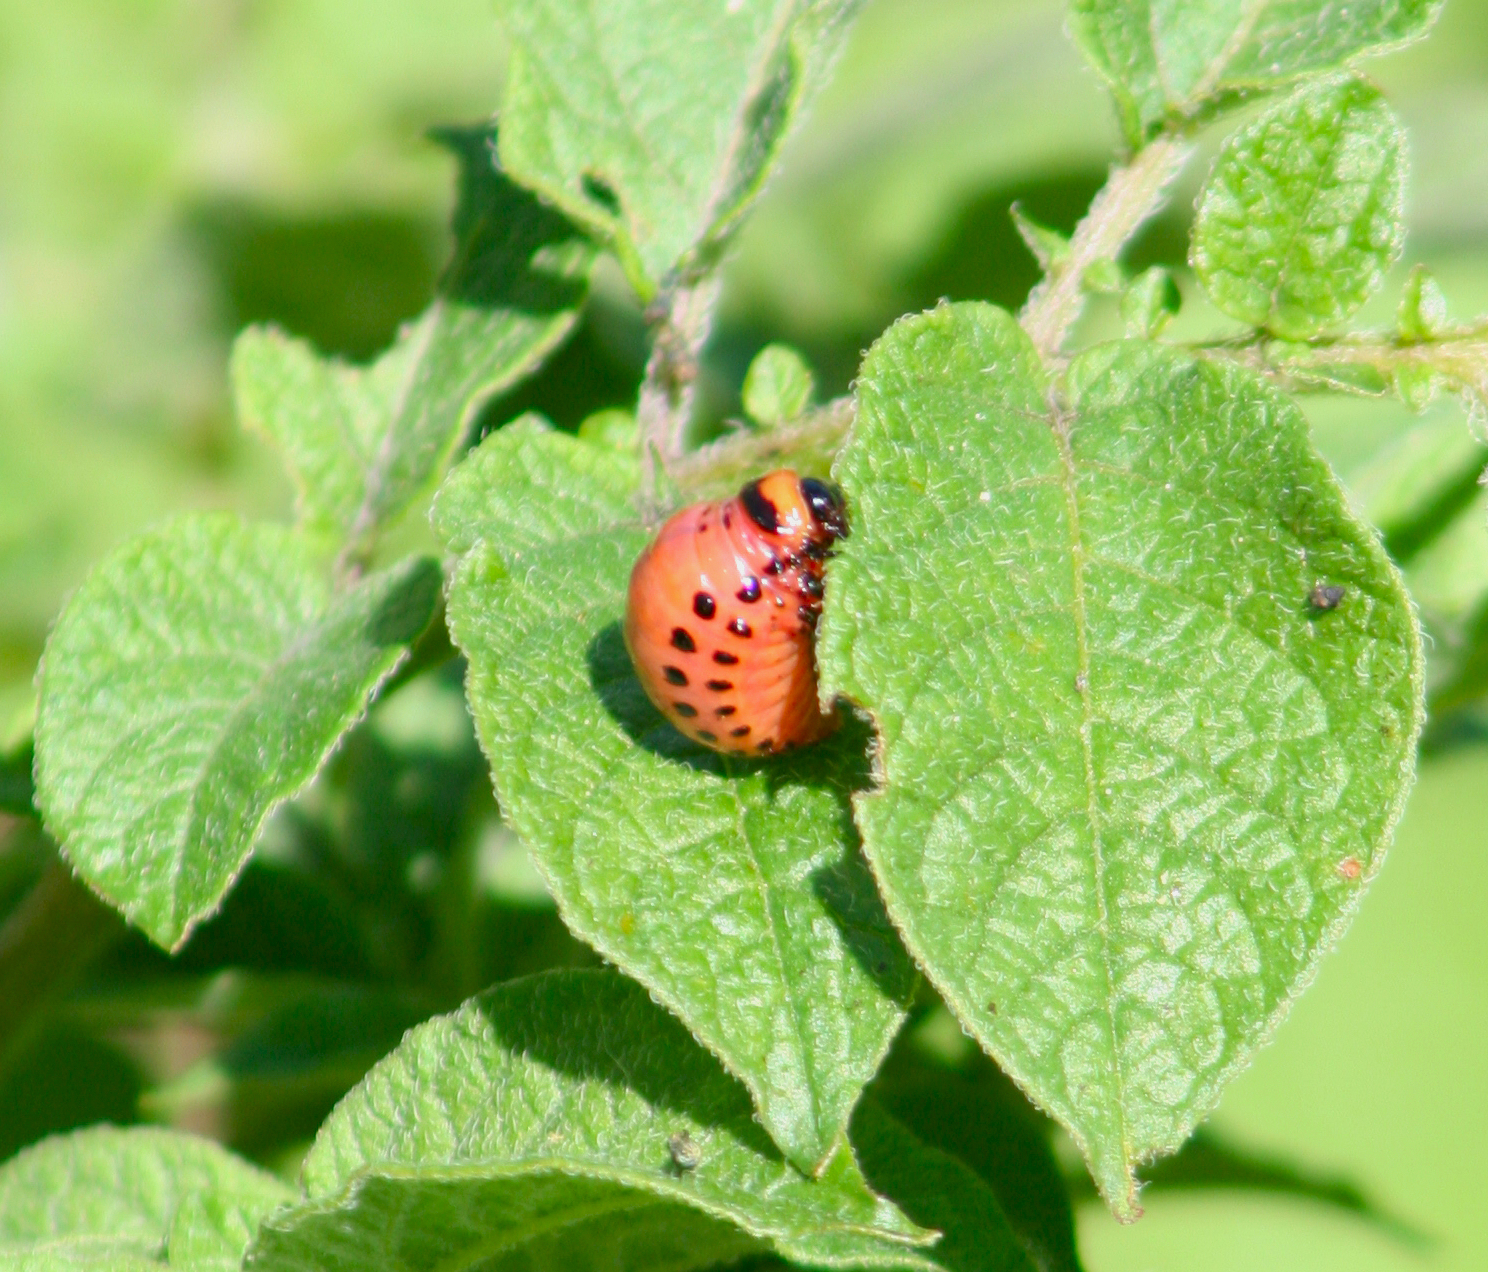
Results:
<point x="733" y="889"/>
<point x="1304" y="213"/>
<point x="1166" y="59"/>
<point x="657" y="121"/>
<point x="530" y="1129"/>
<point x="362" y="443"/>
<point x="118" y="1198"/>
<point x="1133" y="781"/>
<point x="198" y="677"/>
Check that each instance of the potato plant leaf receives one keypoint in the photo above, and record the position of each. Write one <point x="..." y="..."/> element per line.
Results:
<point x="733" y="889"/>
<point x="362" y="443"/>
<point x="535" y="1128"/>
<point x="656" y="122"/>
<point x="1166" y="59"/>
<point x="1133" y="778"/>
<point x="124" y="1198"/>
<point x="199" y="676"/>
<point x="1304" y="213"/>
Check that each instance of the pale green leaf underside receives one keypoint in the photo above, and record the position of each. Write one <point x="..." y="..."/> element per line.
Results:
<point x="1165" y="58"/>
<point x="362" y="443"/>
<point x="124" y="1197"/>
<point x="529" y="1130"/>
<point x="1304" y="213"/>
<point x="734" y="890"/>
<point x="657" y="120"/>
<point x="199" y="676"/>
<point x="1133" y="783"/>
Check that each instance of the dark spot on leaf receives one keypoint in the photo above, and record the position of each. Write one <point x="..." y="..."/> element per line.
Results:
<point x="674" y="675"/>
<point x="703" y="605"/>
<point x="682" y="639"/>
<point x="600" y="191"/>
<point x="684" y="709"/>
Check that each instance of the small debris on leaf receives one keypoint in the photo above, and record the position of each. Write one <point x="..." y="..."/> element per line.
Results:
<point x="1327" y="596"/>
<point x="684" y="1150"/>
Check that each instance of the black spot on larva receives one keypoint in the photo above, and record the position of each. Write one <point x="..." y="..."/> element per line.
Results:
<point x="706" y="736"/>
<point x="741" y="732"/>
<point x="807" y="615"/>
<point x="728" y="521"/>
<point x="720" y="686"/>
<point x="775" y="566"/>
<point x="682" y="639"/>
<point x="767" y="745"/>
<point x="750" y="592"/>
<point x="724" y="712"/>
<point x="1327" y="596"/>
<point x="740" y="628"/>
<point x="812" y="586"/>
<point x="684" y="709"/>
<point x="674" y="675"/>
<point x="725" y="659"/>
<point x="703" y="605"/>
<point x="761" y="511"/>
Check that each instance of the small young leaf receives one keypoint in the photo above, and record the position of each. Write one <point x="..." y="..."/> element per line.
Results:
<point x="1049" y="247"/>
<point x="1173" y="60"/>
<point x="778" y="386"/>
<point x="658" y="123"/>
<point x="1133" y="781"/>
<point x="733" y="889"/>
<point x="363" y="443"/>
<point x="199" y="676"/>
<point x="1423" y="307"/>
<point x="110" y="1197"/>
<point x="1149" y="303"/>
<point x="530" y="1129"/>
<point x="1304" y="211"/>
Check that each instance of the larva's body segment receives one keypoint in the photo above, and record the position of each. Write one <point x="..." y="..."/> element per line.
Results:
<point x="720" y="619"/>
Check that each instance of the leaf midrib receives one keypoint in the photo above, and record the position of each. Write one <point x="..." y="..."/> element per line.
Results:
<point x="1060" y="424"/>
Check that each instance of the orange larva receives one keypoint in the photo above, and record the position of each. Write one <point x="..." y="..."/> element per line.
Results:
<point x="721" y="615"/>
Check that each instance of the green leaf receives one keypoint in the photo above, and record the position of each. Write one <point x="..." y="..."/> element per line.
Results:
<point x="1304" y="211"/>
<point x="938" y="1191"/>
<point x="1149" y="304"/>
<point x="778" y="385"/>
<point x="363" y="443"/>
<point x="530" y="1129"/>
<point x="1133" y="780"/>
<point x="121" y="1197"/>
<point x="734" y="890"/>
<point x="199" y="676"/>
<point x="1423" y="307"/>
<point x="657" y="122"/>
<point x="1164" y="60"/>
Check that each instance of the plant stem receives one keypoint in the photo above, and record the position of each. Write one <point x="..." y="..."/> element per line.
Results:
<point x="1130" y="195"/>
<point x="808" y="443"/>
<point x="681" y="320"/>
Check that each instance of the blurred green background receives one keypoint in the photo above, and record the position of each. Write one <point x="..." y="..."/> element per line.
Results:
<point x="173" y="169"/>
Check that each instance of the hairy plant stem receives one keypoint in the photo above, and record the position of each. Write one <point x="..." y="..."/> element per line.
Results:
<point x="681" y="320"/>
<point x="1131" y="195"/>
<point x="808" y="443"/>
<point x="1458" y="356"/>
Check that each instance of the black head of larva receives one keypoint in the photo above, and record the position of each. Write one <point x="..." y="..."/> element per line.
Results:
<point x="828" y="509"/>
